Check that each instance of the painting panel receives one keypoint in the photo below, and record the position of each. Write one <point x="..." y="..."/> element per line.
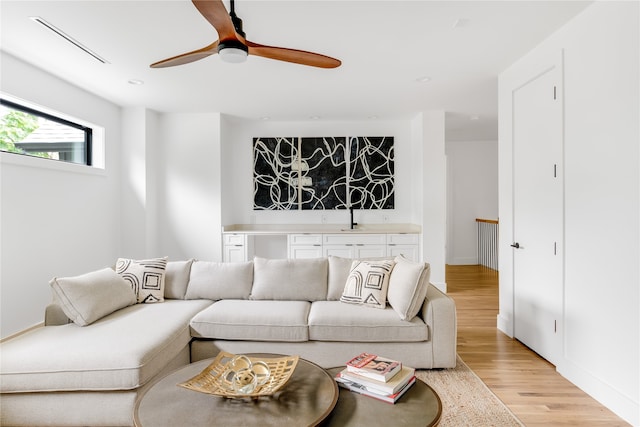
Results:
<point x="371" y="171"/>
<point x="323" y="173"/>
<point x="274" y="178"/>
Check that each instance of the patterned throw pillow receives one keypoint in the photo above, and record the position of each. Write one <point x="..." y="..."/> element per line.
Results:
<point x="146" y="277"/>
<point x="367" y="283"/>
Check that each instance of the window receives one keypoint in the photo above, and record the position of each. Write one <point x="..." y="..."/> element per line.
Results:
<point x="26" y="131"/>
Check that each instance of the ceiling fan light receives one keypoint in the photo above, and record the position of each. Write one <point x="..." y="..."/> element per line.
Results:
<point x="233" y="52"/>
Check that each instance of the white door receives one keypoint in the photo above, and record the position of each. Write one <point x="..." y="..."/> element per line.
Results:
<point x="538" y="214"/>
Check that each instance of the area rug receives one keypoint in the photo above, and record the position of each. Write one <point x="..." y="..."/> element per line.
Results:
<point x="466" y="400"/>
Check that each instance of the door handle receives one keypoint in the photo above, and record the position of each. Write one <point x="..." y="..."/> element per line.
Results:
<point x="515" y="245"/>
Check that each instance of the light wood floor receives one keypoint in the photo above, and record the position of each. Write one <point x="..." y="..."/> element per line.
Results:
<point x="525" y="382"/>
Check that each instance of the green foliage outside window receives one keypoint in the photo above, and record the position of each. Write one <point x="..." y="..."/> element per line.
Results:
<point x="15" y="126"/>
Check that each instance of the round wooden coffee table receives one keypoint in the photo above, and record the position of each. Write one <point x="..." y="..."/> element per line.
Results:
<point x="420" y="406"/>
<point x="307" y="399"/>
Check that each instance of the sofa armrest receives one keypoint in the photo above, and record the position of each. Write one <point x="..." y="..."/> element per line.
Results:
<point x="54" y="316"/>
<point x="439" y="313"/>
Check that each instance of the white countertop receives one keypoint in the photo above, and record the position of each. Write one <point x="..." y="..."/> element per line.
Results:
<point x="321" y="228"/>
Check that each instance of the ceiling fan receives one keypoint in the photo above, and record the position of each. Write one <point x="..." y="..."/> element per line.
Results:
<point x="232" y="46"/>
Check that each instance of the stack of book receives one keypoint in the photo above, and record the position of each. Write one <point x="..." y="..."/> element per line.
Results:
<point x="377" y="377"/>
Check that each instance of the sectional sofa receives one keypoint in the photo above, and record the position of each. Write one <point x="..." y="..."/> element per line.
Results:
<point x="110" y="333"/>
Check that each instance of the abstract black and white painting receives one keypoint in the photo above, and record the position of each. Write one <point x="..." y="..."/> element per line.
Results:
<point x="371" y="167"/>
<point x="323" y="173"/>
<point x="273" y="176"/>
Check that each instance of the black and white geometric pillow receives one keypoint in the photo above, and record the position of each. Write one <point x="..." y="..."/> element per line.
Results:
<point x="146" y="277"/>
<point x="368" y="283"/>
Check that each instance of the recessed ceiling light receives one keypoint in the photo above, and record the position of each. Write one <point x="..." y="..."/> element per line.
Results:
<point x="423" y="79"/>
<point x="135" y="82"/>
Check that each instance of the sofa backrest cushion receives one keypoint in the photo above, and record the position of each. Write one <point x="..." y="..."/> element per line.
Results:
<point x="290" y="279"/>
<point x="91" y="296"/>
<point x="176" y="279"/>
<point x="339" y="269"/>
<point x="220" y="280"/>
<point x="408" y="287"/>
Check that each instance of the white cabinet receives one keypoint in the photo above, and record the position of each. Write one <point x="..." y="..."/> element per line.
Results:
<point x="404" y="244"/>
<point x="305" y="245"/>
<point x="237" y="247"/>
<point x="350" y="245"/>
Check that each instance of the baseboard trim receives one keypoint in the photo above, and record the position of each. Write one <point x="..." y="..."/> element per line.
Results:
<point x="620" y="404"/>
<point x="463" y="261"/>
<point x="504" y="324"/>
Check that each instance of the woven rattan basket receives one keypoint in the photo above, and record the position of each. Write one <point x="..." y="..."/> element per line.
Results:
<point x="211" y="380"/>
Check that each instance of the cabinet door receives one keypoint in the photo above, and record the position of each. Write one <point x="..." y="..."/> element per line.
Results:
<point x="235" y="248"/>
<point x="235" y="253"/>
<point x="403" y="239"/>
<point x="304" y="246"/>
<point x="305" y="251"/>
<point x="370" y="251"/>
<point x="410" y="252"/>
<point x="342" y="251"/>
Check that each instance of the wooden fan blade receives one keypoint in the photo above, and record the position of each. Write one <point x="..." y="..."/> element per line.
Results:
<point x="292" y="55"/>
<point x="217" y="15"/>
<point x="188" y="57"/>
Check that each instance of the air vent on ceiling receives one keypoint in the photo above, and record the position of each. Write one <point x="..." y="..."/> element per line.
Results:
<point x="68" y="38"/>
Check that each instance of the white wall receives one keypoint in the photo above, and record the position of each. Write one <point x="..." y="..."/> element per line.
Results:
<point x="140" y="164"/>
<point x="600" y="52"/>
<point x="472" y="192"/>
<point x="57" y="219"/>
<point x="430" y="189"/>
<point x="189" y="214"/>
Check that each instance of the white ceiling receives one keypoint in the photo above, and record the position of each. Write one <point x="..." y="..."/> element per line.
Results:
<point x="384" y="47"/>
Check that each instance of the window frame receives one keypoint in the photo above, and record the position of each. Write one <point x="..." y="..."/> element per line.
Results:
<point x="88" y="131"/>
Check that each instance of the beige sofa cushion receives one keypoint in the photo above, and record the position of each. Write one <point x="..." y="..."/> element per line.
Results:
<point x="91" y="296"/>
<point x="220" y="280"/>
<point x="176" y="278"/>
<point x="290" y="279"/>
<point x="339" y="269"/>
<point x="253" y="320"/>
<point x="335" y="321"/>
<point x="408" y="287"/>
<point x="121" y="351"/>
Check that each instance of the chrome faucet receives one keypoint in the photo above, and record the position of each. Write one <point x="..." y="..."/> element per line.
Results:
<point x="351" y="223"/>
